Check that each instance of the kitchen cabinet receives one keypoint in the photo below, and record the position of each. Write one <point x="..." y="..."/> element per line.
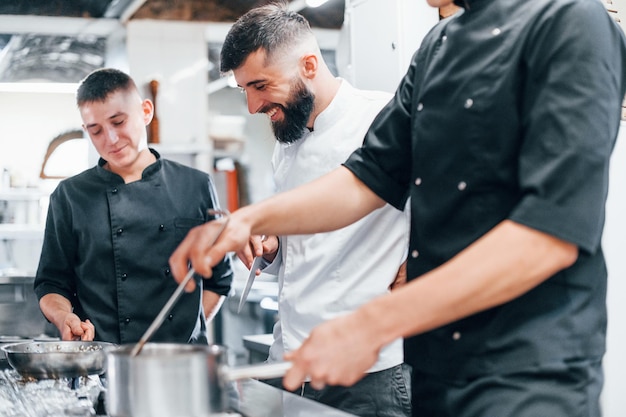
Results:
<point x="400" y="27"/>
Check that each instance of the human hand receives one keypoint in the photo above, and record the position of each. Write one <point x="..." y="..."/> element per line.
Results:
<point x="75" y="329"/>
<point x="265" y="246"/>
<point x="253" y="249"/>
<point x="205" y="245"/>
<point x="337" y="352"/>
<point x="270" y="247"/>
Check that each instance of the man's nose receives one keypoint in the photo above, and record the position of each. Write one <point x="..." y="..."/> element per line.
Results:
<point x="254" y="103"/>
<point x="112" y="135"/>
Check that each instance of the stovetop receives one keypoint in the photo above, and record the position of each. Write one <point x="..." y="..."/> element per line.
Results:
<point x="85" y="397"/>
<point x="63" y="397"/>
<point x="21" y="397"/>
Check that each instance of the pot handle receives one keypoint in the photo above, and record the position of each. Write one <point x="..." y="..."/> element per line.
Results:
<point x="261" y="371"/>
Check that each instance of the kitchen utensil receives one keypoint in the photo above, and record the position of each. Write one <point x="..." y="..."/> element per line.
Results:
<point x="58" y="359"/>
<point x="244" y="295"/>
<point x="175" y="380"/>
<point x="158" y="321"/>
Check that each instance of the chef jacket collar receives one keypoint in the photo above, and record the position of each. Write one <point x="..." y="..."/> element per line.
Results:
<point x="150" y="169"/>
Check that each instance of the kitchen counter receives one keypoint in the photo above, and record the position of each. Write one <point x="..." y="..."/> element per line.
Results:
<point x="257" y="399"/>
<point x="84" y="397"/>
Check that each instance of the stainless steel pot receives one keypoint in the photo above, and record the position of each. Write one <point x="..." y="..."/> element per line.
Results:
<point x="180" y="380"/>
<point x="66" y="359"/>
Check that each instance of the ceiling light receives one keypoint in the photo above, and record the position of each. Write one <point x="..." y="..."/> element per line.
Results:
<point x="315" y="3"/>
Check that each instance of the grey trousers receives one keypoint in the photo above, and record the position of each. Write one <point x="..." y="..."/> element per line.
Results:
<point x="385" y="393"/>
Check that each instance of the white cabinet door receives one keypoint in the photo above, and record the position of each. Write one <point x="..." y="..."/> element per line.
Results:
<point x="382" y="37"/>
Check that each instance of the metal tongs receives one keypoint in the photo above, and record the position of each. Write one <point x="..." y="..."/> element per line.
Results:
<point x="158" y="321"/>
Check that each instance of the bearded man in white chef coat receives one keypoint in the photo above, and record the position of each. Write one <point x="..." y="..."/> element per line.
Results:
<point x="318" y="121"/>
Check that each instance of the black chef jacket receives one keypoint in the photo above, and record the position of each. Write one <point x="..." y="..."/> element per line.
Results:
<point x="107" y="244"/>
<point x="509" y="110"/>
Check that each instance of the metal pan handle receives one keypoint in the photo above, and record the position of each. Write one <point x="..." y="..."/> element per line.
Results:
<point x="261" y="371"/>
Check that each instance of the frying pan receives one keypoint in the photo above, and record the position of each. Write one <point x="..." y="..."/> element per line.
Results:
<point x="55" y="359"/>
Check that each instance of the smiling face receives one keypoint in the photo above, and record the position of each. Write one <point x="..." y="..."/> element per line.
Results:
<point x="281" y="94"/>
<point x="117" y="128"/>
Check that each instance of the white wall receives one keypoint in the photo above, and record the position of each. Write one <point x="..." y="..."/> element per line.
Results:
<point x="29" y="122"/>
<point x="176" y="55"/>
<point x="614" y="243"/>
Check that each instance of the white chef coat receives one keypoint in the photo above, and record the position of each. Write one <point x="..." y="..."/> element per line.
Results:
<point x="326" y="275"/>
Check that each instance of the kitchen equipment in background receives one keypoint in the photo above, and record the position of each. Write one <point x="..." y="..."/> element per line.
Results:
<point x="227" y="132"/>
<point x="227" y="168"/>
<point x="67" y="155"/>
<point x="153" y="127"/>
<point x="66" y="359"/>
<point x="20" y="316"/>
<point x="258" y="346"/>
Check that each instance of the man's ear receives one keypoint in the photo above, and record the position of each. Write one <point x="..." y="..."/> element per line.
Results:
<point x="309" y="65"/>
<point x="148" y="111"/>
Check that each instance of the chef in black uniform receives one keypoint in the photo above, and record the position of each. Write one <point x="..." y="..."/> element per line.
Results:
<point x="501" y="133"/>
<point x="103" y="272"/>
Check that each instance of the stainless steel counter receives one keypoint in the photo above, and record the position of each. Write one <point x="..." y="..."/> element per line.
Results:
<point x="257" y="399"/>
<point x="84" y="397"/>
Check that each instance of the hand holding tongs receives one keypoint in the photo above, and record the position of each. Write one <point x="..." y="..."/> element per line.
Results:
<point x="175" y="296"/>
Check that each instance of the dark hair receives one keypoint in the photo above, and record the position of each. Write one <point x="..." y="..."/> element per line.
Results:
<point x="269" y="27"/>
<point x="100" y="83"/>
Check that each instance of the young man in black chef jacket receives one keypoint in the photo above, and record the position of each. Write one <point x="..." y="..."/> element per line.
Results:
<point x="103" y="272"/>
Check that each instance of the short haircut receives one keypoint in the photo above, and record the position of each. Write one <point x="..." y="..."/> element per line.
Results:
<point x="100" y="83"/>
<point x="272" y="27"/>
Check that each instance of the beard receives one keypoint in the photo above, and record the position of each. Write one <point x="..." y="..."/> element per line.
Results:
<point x="296" y="114"/>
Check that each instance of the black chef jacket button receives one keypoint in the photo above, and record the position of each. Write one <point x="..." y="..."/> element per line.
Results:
<point x="119" y="231"/>
<point x="114" y="190"/>
<point x="161" y="227"/>
<point x="170" y="317"/>
<point x="167" y="271"/>
<point x="124" y="276"/>
<point x="127" y="320"/>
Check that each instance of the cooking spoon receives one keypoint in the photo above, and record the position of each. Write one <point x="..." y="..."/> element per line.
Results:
<point x="158" y="321"/>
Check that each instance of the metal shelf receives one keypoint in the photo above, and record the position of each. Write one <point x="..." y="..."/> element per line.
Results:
<point x="12" y="231"/>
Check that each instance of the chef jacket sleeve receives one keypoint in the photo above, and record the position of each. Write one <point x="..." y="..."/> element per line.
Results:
<point x="570" y="110"/>
<point x="55" y="273"/>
